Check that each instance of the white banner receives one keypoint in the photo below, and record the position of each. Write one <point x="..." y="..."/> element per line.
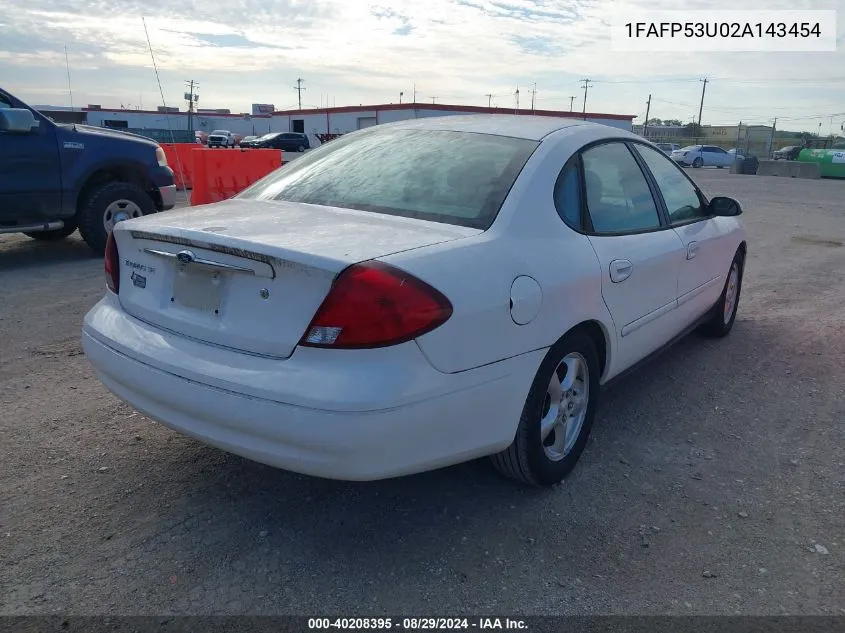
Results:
<point x="637" y="29"/>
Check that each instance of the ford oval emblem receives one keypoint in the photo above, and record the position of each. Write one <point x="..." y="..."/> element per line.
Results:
<point x="186" y="257"/>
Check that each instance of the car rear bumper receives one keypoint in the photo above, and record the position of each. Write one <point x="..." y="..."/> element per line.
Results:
<point x="340" y="414"/>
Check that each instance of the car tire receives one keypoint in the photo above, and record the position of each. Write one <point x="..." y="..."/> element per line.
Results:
<point x="698" y="162"/>
<point x="723" y="315"/>
<point x="55" y="235"/>
<point x="108" y="204"/>
<point x="537" y="462"/>
<point x="300" y="149"/>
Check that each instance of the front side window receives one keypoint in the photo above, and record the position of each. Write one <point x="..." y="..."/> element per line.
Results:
<point x="452" y="177"/>
<point x="618" y="196"/>
<point x="681" y="198"/>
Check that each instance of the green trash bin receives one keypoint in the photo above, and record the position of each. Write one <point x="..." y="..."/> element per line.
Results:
<point x="831" y="161"/>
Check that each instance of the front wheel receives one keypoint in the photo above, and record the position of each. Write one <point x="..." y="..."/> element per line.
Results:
<point x="557" y="416"/>
<point x="722" y="319"/>
<point x="107" y="205"/>
<point x="698" y="162"/>
<point x="300" y="149"/>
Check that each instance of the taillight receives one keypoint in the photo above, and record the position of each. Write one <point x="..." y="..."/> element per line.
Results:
<point x="112" y="260"/>
<point x="376" y="305"/>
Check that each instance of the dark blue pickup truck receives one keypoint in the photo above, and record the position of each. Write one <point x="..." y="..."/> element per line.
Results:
<point x="55" y="178"/>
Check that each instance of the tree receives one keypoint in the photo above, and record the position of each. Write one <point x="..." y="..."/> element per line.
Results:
<point x="692" y="130"/>
<point x="672" y="122"/>
<point x="654" y="122"/>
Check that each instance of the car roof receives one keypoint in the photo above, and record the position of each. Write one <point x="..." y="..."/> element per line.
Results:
<point x="529" y="127"/>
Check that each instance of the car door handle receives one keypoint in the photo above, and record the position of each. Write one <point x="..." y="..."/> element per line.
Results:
<point x="692" y="250"/>
<point x="620" y="270"/>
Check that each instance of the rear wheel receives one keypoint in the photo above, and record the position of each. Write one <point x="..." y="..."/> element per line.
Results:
<point x="698" y="162"/>
<point x="721" y="321"/>
<point x="111" y="203"/>
<point x="300" y="149"/>
<point x="54" y="235"/>
<point x="557" y="416"/>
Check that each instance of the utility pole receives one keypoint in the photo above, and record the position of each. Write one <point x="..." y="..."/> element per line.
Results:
<point x="489" y="100"/>
<point x="400" y="96"/>
<point x="571" y="101"/>
<point x="415" y="92"/>
<point x="432" y="99"/>
<point x="587" y="84"/>
<point x="298" y="87"/>
<point x="192" y="99"/>
<point x="701" y="106"/>
<point x="517" y="98"/>
<point x="647" y="110"/>
<point x="533" y="94"/>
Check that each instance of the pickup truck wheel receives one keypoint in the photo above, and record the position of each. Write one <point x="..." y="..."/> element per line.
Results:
<point x="54" y="235"/>
<point x="106" y="206"/>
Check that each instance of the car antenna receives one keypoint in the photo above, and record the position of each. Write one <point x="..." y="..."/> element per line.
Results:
<point x="69" y="90"/>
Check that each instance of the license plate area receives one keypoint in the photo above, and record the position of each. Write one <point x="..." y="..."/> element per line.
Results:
<point x="197" y="289"/>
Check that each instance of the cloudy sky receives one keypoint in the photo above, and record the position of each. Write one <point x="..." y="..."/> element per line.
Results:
<point x="367" y="51"/>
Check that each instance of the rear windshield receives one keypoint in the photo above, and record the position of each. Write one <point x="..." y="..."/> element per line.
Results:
<point x="690" y="148"/>
<point x="451" y="177"/>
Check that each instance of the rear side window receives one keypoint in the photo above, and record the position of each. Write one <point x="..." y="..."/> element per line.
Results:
<point x="452" y="177"/>
<point x="567" y="195"/>
<point x="619" y="199"/>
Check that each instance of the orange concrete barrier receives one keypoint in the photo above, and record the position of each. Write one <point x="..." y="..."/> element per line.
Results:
<point x="181" y="161"/>
<point x="219" y="175"/>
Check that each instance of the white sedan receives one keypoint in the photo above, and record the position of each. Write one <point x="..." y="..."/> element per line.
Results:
<point x="415" y="295"/>
<point x="703" y="156"/>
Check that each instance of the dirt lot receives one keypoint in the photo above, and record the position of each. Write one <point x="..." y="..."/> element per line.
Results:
<point x="714" y="482"/>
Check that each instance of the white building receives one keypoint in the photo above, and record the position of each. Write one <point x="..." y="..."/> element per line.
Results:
<point x="318" y="123"/>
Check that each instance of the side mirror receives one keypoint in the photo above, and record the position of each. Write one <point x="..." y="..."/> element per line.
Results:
<point x="17" y="121"/>
<point x="725" y="207"/>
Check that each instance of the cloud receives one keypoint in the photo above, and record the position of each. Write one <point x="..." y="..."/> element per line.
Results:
<point x="366" y="51"/>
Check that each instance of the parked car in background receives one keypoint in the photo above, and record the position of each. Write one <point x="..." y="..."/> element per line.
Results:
<point x="285" y="141"/>
<point x="400" y="299"/>
<point x="246" y="140"/>
<point x="736" y="154"/>
<point x="201" y="137"/>
<point x="221" y="138"/>
<point x="702" y="156"/>
<point x="55" y="178"/>
<point x="784" y="153"/>
<point x="667" y="148"/>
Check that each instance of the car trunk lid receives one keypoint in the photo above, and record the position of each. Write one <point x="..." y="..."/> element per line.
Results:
<point x="250" y="275"/>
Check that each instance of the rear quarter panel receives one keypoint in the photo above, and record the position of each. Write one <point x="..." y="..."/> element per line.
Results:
<point x="476" y="274"/>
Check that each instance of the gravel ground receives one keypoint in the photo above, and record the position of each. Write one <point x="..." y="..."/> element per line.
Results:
<point x="714" y="482"/>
